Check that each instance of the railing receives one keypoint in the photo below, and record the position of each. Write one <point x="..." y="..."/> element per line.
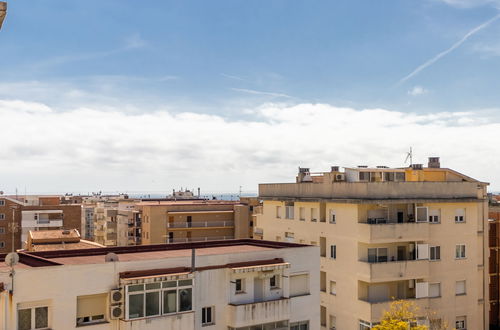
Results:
<point x="198" y="239"/>
<point x="202" y="224"/>
<point x="245" y="315"/>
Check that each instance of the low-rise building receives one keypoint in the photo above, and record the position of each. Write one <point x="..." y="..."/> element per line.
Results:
<point x="235" y="285"/>
<point x="57" y="239"/>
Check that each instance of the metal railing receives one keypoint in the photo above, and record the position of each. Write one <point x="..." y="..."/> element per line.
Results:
<point x="201" y="224"/>
<point x="197" y="239"/>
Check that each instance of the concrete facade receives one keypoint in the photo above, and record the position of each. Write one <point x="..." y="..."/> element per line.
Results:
<point x="233" y="285"/>
<point x="382" y="236"/>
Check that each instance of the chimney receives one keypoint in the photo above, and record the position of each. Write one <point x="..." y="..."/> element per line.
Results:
<point x="434" y="162"/>
<point x="334" y="168"/>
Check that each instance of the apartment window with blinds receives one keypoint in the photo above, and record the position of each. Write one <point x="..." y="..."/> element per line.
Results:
<point x="278" y="212"/>
<point x="460" y="215"/>
<point x="2" y="216"/>
<point x="299" y="285"/>
<point x="289" y="212"/>
<point x="460" y="251"/>
<point x="36" y="317"/>
<point x="153" y="299"/>
<point x="2" y="202"/>
<point x="208" y="316"/>
<point x="461" y="323"/>
<point x="434" y="290"/>
<point x="333" y="287"/>
<point x="435" y="253"/>
<point x="434" y="215"/>
<point x="91" y="309"/>
<point x="333" y="252"/>
<point x="332" y="217"/>
<point x="460" y="288"/>
<point x="302" y="213"/>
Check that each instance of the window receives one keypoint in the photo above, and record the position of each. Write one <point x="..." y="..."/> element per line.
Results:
<point x="2" y="245"/>
<point x="2" y="230"/>
<point x="460" y="251"/>
<point x="152" y="299"/>
<point x="274" y="282"/>
<point x="289" y="214"/>
<point x="33" y="318"/>
<point x="434" y="215"/>
<point x="314" y="214"/>
<point x="90" y="309"/>
<point x="268" y="326"/>
<point x="421" y="214"/>
<point x="303" y="325"/>
<point x="2" y="202"/>
<point x="2" y="216"/>
<point x="461" y="323"/>
<point x="332" y="217"/>
<point x="435" y="253"/>
<point x="377" y="255"/>
<point x="302" y="214"/>
<point x="434" y="290"/>
<point x="299" y="285"/>
<point x="333" y="252"/>
<point x="460" y="288"/>
<point x="278" y="212"/>
<point x="364" y="325"/>
<point x="460" y="215"/>
<point x="240" y="285"/>
<point x="322" y="281"/>
<point x="208" y="315"/>
<point x="333" y="287"/>
<point x="364" y="176"/>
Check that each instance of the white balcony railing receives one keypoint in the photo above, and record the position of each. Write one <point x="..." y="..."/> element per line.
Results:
<point x="198" y="239"/>
<point x="244" y="315"/>
<point x="200" y="224"/>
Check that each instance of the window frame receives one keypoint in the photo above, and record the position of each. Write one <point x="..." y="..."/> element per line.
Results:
<point x="276" y="284"/>
<point x="465" y="288"/>
<point x="2" y="216"/>
<point x="461" y="320"/>
<point x="333" y="251"/>
<point x="242" y="286"/>
<point x="206" y="311"/>
<point x="33" y="316"/>
<point x="459" y="252"/>
<point x="333" y="217"/>
<point x="435" y="248"/>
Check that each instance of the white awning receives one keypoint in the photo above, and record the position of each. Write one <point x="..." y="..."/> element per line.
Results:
<point x="157" y="278"/>
<point x="261" y="268"/>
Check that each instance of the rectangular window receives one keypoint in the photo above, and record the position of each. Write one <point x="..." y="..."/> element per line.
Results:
<point x="460" y="215"/>
<point x="2" y="216"/>
<point x="278" y="212"/>
<point x="460" y="251"/>
<point x="435" y="253"/>
<point x="303" y="325"/>
<point x="377" y="255"/>
<point x="460" y="288"/>
<point x="434" y="290"/>
<point x="91" y="309"/>
<point x="2" y="245"/>
<point x="461" y="323"/>
<point x="314" y="214"/>
<point x="333" y="287"/>
<point x="240" y="285"/>
<point x="333" y="251"/>
<point x="421" y="214"/>
<point x="289" y="214"/>
<point x="299" y="285"/>
<point x="144" y="300"/>
<point x="208" y="315"/>
<point x="2" y="230"/>
<point x="274" y="282"/>
<point x="2" y="202"/>
<point x="364" y="176"/>
<point x="302" y="214"/>
<point x="332" y="217"/>
<point x="434" y="215"/>
<point x="33" y="318"/>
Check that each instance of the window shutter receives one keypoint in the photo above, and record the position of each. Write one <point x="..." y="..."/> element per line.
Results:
<point x="422" y="251"/>
<point x="91" y="305"/>
<point x="422" y="289"/>
<point x="299" y="285"/>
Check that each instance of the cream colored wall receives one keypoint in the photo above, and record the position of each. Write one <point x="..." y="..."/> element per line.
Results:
<point x="346" y="233"/>
<point x="62" y="284"/>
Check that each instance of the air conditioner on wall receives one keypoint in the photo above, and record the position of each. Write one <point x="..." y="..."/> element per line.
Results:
<point x="116" y="312"/>
<point x="116" y="296"/>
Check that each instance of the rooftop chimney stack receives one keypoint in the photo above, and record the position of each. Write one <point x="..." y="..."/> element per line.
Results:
<point x="434" y="162"/>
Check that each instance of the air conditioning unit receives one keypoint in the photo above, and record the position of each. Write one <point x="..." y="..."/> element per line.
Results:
<point x="116" y="312"/>
<point x="340" y="177"/>
<point x="116" y="296"/>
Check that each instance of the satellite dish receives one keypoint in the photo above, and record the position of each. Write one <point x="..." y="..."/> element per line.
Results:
<point x="110" y="257"/>
<point x="11" y="259"/>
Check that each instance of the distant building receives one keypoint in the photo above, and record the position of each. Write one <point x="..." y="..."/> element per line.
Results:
<point x="494" y="265"/>
<point x="62" y="239"/>
<point x="193" y="220"/>
<point x="233" y="285"/>
<point x="416" y="233"/>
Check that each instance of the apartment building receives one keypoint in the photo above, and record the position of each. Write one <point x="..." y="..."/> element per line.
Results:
<point x="10" y="224"/>
<point x="235" y="285"/>
<point x="193" y="220"/>
<point x="494" y="264"/>
<point x="384" y="233"/>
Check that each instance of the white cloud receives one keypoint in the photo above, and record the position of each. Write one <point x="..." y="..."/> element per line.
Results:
<point x="471" y="3"/>
<point x="255" y="92"/>
<point x="89" y="149"/>
<point x="417" y="90"/>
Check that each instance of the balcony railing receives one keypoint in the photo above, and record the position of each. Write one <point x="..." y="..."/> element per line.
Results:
<point x="393" y="232"/>
<point x="198" y="239"/>
<point x="392" y="270"/>
<point x="244" y="315"/>
<point x="201" y="224"/>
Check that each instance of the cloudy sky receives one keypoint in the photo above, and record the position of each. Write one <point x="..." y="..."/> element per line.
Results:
<point x="154" y="95"/>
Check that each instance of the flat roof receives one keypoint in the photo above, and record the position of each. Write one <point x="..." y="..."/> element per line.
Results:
<point x="189" y="202"/>
<point x="144" y="252"/>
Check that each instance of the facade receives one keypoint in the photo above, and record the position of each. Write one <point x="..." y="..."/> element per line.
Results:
<point x="57" y="239"/>
<point x="10" y="224"/>
<point x="115" y="222"/>
<point x="229" y="285"/>
<point x="494" y="263"/>
<point x="414" y="233"/>
<point x="193" y="220"/>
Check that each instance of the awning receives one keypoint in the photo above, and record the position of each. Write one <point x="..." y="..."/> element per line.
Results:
<point x="157" y="278"/>
<point x="261" y="268"/>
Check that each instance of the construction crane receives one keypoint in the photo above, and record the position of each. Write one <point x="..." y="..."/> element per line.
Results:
<point x="3" y="12"/>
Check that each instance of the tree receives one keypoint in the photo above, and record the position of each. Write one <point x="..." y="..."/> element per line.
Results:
<point x="402" y="315"/>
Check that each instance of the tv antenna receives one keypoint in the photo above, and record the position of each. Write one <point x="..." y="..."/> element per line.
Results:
<point x="11" y="260"/>
<point x="409" y="155"/>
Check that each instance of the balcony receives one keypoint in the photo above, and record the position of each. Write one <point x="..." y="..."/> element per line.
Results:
<point x="201" y="224"/>
<point x="198" y="239"/>
<point x="392" y="270"/>
<point x="244" y="315"/>
<point x="373" y="311"/>
<point x="393" y="232"/>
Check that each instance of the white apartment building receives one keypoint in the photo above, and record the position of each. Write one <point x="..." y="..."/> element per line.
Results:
<point x="414" y="233"/>
<point x="227" y="285"/>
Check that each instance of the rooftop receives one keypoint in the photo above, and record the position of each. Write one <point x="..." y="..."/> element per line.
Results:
<point x="143" y="252"/>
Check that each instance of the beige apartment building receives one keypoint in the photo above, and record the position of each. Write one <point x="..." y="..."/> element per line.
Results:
<point x="115" y="222"/>
<point x="416" y="233"/>
<point x="216" y="285"/>
<point x="193" y="220"/>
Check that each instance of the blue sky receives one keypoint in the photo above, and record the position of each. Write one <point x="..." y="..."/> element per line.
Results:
<point x="228" y="60"/>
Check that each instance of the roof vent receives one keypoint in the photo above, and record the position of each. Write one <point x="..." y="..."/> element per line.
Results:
<point x="110" y="257"/>
<point x="334" y="168"/>
<point x="382" y="166"/>
<point x="434" y="162"/>
<point x="304" y="170"/>
<point x="362" y="166"/>
<point x="417" y="166"/>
